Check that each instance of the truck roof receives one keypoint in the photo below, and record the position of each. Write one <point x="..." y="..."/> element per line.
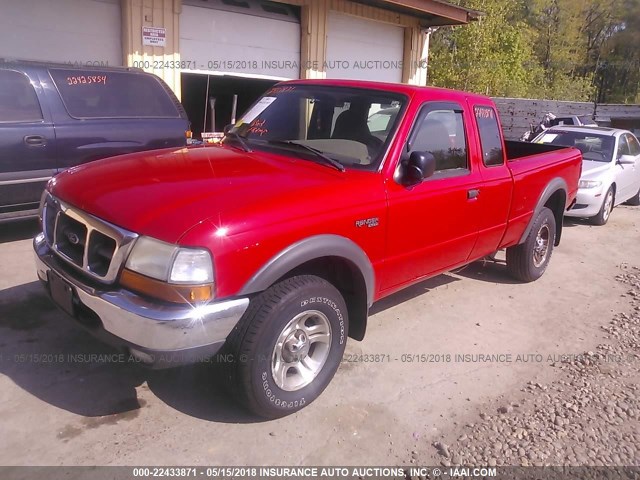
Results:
<point x="411" y="90"/>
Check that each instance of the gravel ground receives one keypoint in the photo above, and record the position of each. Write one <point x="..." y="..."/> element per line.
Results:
<point x="588" y="416"/>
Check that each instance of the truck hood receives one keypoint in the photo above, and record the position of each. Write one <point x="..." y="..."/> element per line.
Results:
<point x="165" y="193"/>
<point x="592" y="170"/>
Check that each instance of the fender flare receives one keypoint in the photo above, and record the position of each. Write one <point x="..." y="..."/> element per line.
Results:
<point x="552" y="187"/>
<point x="308" y="249"/>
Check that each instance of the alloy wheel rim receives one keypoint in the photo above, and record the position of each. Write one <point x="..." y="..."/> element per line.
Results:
<point x="541" y="247"/>
<point x="301" y="350"/>
<point x="607" y="206"/>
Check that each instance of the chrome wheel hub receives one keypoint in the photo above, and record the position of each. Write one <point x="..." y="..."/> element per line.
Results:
<point x="296" y="346"/>
<point x="301" y="350"/>
<point x="608" y="202"/>
<point x="541" y="247"/>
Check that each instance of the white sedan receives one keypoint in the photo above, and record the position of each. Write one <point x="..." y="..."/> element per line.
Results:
<point x="610" y="168"/>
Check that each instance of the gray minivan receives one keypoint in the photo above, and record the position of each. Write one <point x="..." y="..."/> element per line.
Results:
<point x="53" y="117"/>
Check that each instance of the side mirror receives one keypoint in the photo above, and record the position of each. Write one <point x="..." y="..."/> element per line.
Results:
<point x="627" y="160"/>
<point x="420" y="165"/>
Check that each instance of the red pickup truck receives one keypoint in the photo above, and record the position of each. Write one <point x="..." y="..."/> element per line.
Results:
<point x="268" y="250"/>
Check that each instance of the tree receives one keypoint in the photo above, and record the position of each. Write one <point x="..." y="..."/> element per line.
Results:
<point x="555" y="49"/>
<point x="492" y="56"/>
<point x="618" y="68"/>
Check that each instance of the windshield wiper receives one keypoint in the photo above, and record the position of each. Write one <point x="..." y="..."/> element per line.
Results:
<point x="318" y="154"/>
<point x="241" y="140"/>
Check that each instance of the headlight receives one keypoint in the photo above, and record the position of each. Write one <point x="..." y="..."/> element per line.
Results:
<point x="589" y="183"/>
<point x="151" y="258"/>
<point x="191" y="266"/>
<point x="169" y="272"/>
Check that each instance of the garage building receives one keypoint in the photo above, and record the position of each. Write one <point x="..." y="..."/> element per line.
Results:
<point x="214" y="53"/>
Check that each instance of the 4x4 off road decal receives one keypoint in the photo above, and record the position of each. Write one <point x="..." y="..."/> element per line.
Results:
<point x="368" y="222"/>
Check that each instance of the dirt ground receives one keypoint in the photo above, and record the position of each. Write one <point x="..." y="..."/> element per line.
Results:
<point x="60" y="408"/>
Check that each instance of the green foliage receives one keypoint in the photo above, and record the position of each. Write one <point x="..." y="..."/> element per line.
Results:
<point x="492" y="56"/>
<point x="555" y="49"/>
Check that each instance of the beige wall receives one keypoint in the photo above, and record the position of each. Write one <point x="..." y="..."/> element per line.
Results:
<point x="152" y="13"/>
<point x="166" y="13"/>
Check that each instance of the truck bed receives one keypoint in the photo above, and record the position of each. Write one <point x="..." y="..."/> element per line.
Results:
<point x="516" y="150"/>
<point x="532" y="166"/>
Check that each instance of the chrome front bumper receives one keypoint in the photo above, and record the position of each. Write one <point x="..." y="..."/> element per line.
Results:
<point x="144" y="327"/>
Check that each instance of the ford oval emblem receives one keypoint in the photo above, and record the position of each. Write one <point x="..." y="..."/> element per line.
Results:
<point x="73" y="238"/>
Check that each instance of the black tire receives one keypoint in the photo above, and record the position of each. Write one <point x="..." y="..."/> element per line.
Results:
<point x="250" y="377"/>
<point x="605" y="210"/>
<point x="635" y="200"/>
<point x="528" y="261"/>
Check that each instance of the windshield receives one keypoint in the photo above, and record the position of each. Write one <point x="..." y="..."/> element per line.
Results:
<point x="598" y="148"/>
<point x="336" y="122"/>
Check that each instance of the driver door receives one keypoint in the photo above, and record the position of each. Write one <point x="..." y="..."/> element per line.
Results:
<point x="433" y="225"/>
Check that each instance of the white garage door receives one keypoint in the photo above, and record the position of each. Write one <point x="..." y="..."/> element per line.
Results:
<point x="235" y="43"/>
<point x="68" y="31"/>
<point x="363" y="49"/>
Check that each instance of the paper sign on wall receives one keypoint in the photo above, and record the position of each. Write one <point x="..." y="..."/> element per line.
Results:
<point x="154" y="36"/>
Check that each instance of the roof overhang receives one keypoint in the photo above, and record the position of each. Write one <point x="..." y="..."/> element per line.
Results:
<point x="432" y="13"/>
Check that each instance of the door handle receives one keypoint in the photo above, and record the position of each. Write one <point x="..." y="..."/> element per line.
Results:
<point x="473" y="193"/>
<point x="34" y="140"/>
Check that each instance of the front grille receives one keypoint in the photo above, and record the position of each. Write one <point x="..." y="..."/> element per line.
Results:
<point x="100" y="252"/>
<point x="71" y="239"/>
<point x="96" y="247"/>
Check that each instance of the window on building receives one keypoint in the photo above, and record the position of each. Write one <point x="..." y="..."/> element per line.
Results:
<point x="18" y="100"/>
<point x="110" y="94"/>
<point x="490" y="139"/>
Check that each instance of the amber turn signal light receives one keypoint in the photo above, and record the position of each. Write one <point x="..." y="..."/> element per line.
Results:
<point x="166" y="291"/>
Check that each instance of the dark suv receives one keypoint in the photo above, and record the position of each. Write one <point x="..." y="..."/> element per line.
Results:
<point x="53" y="117"/>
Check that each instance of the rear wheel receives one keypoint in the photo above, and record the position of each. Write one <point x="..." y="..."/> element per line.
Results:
<point x="288" y="346"/>
<point x="528" y="261"/>
<point x="605" y="210"/>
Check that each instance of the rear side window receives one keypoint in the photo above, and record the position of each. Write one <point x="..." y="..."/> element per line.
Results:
<point x="18" y="100"/>
<point x="95" y="94"/>
<point x="490" y="140"/>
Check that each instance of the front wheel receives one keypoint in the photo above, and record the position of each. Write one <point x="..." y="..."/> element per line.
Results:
<point x="605" y="210"/>
<point x="528" y="261"/>
<point x="288" y="346"/>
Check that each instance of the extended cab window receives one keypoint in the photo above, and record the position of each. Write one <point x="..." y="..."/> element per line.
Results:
<point x="110" y="94"/>
<point x="490" y="139"/>
<point x="18" y="100"/>
<point x="440" y="131"/>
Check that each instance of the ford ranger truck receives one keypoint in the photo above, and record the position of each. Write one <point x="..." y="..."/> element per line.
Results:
<point x="271" y="248"/>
